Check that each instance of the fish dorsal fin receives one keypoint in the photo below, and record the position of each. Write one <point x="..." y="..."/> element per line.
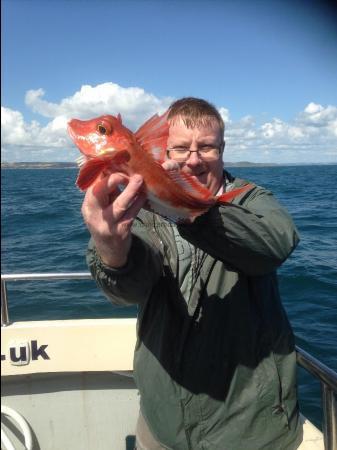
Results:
<point x="189" y="184"/>
<point x="152" y="136"/>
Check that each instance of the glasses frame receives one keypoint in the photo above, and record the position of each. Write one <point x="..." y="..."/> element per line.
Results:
<point x="218" y="148"/>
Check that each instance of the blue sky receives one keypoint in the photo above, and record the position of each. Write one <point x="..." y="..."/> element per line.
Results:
<point x="269" y="66"/>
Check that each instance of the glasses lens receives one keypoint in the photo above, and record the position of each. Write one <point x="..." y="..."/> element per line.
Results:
<point x="209" y="154"/>
<point x="179" y="154"/>
<point x="182" y="155"/>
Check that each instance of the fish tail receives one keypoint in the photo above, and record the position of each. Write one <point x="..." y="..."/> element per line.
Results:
<point x="228" y="196"/>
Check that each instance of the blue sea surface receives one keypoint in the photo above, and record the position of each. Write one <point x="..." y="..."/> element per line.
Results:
<point x="43" y="231"/>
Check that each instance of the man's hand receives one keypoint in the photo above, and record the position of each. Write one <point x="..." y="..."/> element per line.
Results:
<point x="109" y="214"/>
<point x="169" y="164"/>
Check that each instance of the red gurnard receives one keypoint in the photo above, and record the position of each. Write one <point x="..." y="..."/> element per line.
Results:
<point x="108" y="146"/>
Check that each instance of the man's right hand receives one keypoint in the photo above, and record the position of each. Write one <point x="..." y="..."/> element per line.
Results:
<point x="109" y="214"/>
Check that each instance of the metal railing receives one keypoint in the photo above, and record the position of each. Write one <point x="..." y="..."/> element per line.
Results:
<point x="326" y="376"/>
<point x="328" y="379"/>
<point x="33" y="277"/>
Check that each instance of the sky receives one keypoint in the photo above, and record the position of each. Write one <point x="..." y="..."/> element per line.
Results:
<point x="270" y="67"/>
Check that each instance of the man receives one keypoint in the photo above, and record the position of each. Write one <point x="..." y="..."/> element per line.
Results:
<point x="214" y="362"/>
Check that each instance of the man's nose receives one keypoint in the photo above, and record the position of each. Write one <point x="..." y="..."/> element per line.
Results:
<point x="194" y="158"/>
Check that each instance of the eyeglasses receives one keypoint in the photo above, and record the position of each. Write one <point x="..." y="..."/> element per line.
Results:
<point x="182" y="154"/>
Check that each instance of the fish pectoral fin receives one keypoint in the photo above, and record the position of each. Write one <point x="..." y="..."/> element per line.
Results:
<point x="89" y="172"/>
<point x="228" y="196"/>
<point x="152" y="136"/>
<point x="92" y="168"/>
<point x="116" y="157"/>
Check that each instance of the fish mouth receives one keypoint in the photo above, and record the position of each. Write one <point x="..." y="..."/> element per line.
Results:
<point x="108" y="150"/>
<point x="81" y="160"/>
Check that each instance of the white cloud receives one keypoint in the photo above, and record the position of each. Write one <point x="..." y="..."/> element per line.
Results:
<point x="34" y="100"/>
<point x="51" y="142"/>
<point x="332" y="127"/>
<point x="311" y="136"/>
<point x="278" y="130"/>
<point x="133" y="103"/>
<point x="14" y="130"/>
<point x="31" y="137"/>
<point x="317" y="114"/>
<point x="224" y="112"/>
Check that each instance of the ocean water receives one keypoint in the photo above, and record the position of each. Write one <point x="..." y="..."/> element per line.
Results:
<point x="42" y="231"/>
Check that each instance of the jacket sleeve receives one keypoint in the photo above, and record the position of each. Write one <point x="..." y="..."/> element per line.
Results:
<point x="254" y="237"/>
<point x="132" y="283"/>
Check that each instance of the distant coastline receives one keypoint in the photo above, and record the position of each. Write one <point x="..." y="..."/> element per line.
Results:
<point x="38" y="165"/>
<point x="73" y="165"/>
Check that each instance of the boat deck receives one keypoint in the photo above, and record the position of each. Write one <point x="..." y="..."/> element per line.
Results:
<point x="72" y="382"/>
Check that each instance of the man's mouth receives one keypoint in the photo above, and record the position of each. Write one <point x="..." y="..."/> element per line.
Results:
<point x="201" y="177"/>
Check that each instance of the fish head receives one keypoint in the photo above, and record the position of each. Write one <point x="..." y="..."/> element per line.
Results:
<point x="100" y="136"/>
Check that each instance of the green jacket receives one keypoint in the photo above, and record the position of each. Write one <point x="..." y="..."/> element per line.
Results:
<point x="214" y="361"/>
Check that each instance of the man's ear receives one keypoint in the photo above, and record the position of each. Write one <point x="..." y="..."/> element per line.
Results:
<point x="222" y="146"/>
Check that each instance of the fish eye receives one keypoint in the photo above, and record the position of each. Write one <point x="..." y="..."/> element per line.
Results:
<point x="104" y="128"/>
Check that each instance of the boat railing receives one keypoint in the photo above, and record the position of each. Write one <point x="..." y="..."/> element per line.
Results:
<point x="33" y="277"/>
<point x="326" y="376"/>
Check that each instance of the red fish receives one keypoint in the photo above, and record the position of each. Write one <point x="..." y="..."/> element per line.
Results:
<point x="107" y="145"/>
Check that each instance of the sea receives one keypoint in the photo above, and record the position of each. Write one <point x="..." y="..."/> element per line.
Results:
<point x="43" y="231"/>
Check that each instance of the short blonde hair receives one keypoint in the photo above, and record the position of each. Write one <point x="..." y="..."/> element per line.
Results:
<point x="195" y="111"/>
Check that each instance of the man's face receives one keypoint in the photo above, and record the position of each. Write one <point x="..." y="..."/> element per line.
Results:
<point x="209" y="173"/>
